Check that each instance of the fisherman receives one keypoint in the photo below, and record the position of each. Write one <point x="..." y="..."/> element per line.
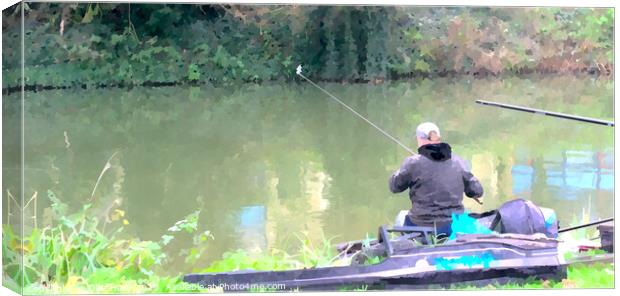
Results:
<point x="436" y="179"/>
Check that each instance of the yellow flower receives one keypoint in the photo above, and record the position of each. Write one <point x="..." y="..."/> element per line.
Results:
<point x="117" y="215"/>
<point x="125" y="222"/>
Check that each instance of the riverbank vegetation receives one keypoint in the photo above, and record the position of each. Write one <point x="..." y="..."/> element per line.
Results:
<point x="81" y="248"/>
<point x="120" y="44"/>
<point x="74" y="254"/>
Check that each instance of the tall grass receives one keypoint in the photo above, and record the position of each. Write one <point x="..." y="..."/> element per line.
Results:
<point x="310" y="254"/>
<point x="73" y="255"/>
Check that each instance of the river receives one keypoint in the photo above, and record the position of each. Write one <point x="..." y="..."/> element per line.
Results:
<point x="268" y="163"/>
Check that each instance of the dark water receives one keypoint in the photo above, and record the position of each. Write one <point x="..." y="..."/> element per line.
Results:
<point x="267" y="163"/>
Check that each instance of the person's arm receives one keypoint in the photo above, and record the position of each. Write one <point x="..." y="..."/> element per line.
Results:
<point x="402" y="178"/>
<point x="473" y="188"/>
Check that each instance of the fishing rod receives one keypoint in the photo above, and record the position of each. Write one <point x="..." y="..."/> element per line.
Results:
<point x="355" y="112"/>
<point x="363" y="118"/>
<point x="559" y="115"/>
<point x="585" y="225"/>
<point x="547" y="113"/>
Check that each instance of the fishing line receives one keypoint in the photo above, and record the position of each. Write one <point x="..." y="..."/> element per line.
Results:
<point x="363" y="118"/>
<point x="355" y="112"/>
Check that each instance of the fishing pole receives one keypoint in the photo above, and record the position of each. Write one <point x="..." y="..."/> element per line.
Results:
<point x="363" y="118"/>
<point x="355" y="112"/>
<point x="547" y="113"/>
<point x="585" y="225"/>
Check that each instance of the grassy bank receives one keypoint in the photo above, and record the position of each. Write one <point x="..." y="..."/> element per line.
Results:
<point x="109" y="281"/>
<point x="76" y="254"/>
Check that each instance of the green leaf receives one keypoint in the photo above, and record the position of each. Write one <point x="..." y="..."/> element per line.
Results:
<point x="193" y="72"/>
<point x="165" y="239"/>
<point x="116" y="38"/>
<point x="88" y="16"/>
<point x="421" y="65"/>
<point x="59" y="208"/>
<point x="189" y="224"/>
<point x="95" y="39"/>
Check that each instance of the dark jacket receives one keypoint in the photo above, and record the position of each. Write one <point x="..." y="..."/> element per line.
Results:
<point x="436" y="180"/>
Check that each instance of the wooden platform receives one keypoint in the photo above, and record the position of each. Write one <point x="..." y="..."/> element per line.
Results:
<point x="469" y="259"/>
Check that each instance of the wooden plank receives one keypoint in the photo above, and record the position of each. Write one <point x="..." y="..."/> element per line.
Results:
<point x="404" y="280"/>
<point x="405" y="266"/>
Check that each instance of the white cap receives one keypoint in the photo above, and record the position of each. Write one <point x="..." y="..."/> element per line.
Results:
<point x="424" y="129"/>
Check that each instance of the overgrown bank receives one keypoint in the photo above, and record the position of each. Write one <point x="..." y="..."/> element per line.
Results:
<point x="115" y="44"/>
<point x="75" y="254"/>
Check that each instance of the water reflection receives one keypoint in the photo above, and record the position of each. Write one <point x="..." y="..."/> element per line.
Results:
<point x="579" y="171"/>
<point x="569" y="177"/>
<point x="576" y="173"/>
<point x="251" y="228"/>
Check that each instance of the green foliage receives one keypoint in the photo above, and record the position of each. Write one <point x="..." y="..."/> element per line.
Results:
<point x="189" y="224"/>
<point x="357" y="288"/>
<point x="373" y="260"/>
<point x="597" y="275"/>
<point x="58" y="252"/>
<point x="593" y="252"/>
<point x="316" y="255"/>
<point x="199" y="240"/>
<point x="74" y="252"/>
<point x="422" y="66"/>
<point x="193" y="73"/>
<point x="104" y="275"/>
<point x="593" y="276"/>
<point x="231" y="44"/>
<point x="92" y="11"/>
<point x="13" y="250"/>
<point x="366" y="241"/>
<point x="241" y="260"/>
<point x="140" y="257"/>
<point x="75" y="257"/>
<point x="309" y="255"/>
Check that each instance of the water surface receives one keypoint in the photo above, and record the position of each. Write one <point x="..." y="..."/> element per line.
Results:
<point x="265" y="163"/>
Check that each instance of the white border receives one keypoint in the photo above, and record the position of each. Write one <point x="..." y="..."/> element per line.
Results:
<point x="565" y="3"/>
